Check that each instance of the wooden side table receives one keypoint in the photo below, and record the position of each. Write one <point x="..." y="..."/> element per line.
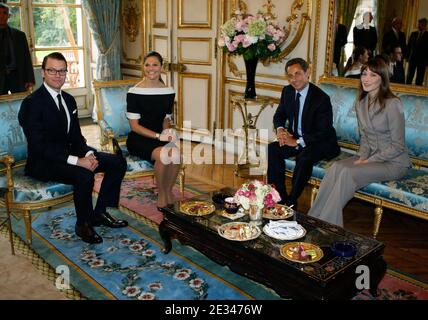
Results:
<point x="245" y="161"/>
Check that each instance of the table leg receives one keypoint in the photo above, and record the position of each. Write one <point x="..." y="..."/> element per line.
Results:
<point x="376" y="276"/>
<point x="165" y="237"/>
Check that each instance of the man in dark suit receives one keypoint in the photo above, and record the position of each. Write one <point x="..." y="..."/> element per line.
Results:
<point x="396" y="64"/>
<point x="57" y="151"/>
<point x="16" y="68"/>
<point x="340" y="39"/>
<point x="394" y="37"/>
<point x="309" y="135"/>
<point x="417" y="50"/>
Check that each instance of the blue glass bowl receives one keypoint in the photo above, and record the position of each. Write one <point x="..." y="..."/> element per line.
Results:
<point x="344" y="248"/>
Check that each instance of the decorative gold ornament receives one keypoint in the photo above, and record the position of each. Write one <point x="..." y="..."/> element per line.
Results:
<point x="131" y="20"/>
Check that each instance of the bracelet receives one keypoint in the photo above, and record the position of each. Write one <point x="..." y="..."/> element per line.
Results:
<point x="157" y="136"/>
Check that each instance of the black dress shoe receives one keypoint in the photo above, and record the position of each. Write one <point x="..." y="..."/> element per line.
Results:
<point x="87" y="233"/>
<point x="107" y="220"/>
<point x="162" y="209"/>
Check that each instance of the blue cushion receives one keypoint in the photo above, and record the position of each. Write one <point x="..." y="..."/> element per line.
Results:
<point x="410" y="191"/>
<point x="29" y="189"/>
<point x="12" y="138"/>
<point x="113" y="107"/>
<point x="416" y="115"/>
<point x="344" y="117"/>
<point x="135" y="164"/>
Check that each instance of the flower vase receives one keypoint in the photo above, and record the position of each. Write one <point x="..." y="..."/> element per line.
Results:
<point x="256" y="215"/>
<point x="250" y="68"/>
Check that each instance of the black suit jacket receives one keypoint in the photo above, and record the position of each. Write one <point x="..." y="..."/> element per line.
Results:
<point x="365" y="38"/>
<point x="24" y="65"/>
<point x="46" y="133"/>
<point x="340" y="39"/>
<point x="418" y="50"/>
<point x="317" y="119"/>
<point x="398" y="73"/>
<point x="391" y="41"/>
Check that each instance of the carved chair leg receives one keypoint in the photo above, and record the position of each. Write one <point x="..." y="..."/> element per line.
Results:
<point x="27" y="220"/>
<point x="378" y="211"/>
<point x="9" y="225"/>
<point x="314" y="192"/>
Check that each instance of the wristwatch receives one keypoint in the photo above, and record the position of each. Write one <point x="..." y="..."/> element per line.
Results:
<point x="157" y="136"/>
<point x="299" y="142"/>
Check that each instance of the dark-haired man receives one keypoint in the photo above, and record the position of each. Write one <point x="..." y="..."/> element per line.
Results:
<point x="57" y="151"/>
<point x="417" y="49"/>
<point x="304" y="128"/>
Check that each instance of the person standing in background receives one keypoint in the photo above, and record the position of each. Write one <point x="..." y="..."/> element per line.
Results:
<point x="417" y="50"/>
<point x="394" y="37"/>
<point x="396" y="56"/>
<point x="365" y="35"/>
<point x="340" y="39"/>
<point x="16" y="68"/>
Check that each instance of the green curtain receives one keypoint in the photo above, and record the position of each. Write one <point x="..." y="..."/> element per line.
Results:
<point x="103" y="17"/>
<point x="347" y="11"/>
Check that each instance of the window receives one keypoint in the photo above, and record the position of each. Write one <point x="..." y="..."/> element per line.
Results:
<point x="54" y="25"/>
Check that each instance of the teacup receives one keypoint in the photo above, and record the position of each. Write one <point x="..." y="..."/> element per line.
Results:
<point x="230" y="205"/>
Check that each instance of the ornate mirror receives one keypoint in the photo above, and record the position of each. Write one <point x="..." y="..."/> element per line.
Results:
<point x="349" y="13"/>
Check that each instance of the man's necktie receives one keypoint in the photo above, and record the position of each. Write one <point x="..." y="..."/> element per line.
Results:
<point x="296" y="113"/>
<point x="62" y="111"/>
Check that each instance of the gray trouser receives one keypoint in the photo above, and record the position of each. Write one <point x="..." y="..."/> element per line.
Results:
<point x="343" y="178"/>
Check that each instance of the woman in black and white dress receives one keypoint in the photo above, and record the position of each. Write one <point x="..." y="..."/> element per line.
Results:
<point x="149" y="111"/>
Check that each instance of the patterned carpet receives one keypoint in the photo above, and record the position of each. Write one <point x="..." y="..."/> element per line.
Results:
<point x="129" y="264"/>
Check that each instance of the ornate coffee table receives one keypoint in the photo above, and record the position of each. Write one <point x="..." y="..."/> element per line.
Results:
<point x="332" y="277"/>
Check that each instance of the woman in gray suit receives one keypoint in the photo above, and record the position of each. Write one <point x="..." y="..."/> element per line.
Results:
<point x="382" y="154"/>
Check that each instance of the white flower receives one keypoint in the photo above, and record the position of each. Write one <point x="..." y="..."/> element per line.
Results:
<point x="146" y="296"/>
<point x="131" y="291"/>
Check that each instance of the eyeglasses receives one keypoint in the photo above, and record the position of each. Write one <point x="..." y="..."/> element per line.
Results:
<point x="53" y="72"/>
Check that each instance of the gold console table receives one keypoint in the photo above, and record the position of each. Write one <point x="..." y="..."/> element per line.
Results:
<point x="244" y="162"/>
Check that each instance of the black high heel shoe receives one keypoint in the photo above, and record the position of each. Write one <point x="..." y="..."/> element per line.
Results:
<point x="162" y="209"/>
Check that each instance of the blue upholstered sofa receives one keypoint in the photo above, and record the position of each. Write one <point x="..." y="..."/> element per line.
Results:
<point x="24" y="193"/>
<point x="408" y="195"/>
<point x="111" y="115"/>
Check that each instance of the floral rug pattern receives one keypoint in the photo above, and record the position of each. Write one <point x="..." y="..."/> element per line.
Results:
<point x="129" y="263"/>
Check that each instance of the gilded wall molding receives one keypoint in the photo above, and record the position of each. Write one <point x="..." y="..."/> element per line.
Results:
<point x="202" y="76"/>
<point x="181" y="59"/>
<point x="292" y="20"/>
<point x="157" y="24"/>
<point x="193" y="25"/>
<point x="316" y="40"/>
<point x="131" y="19"/>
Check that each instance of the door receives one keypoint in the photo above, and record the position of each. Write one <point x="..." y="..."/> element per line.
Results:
<point x="184" y="33"/>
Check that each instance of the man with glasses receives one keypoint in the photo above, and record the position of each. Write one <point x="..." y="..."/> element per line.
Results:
<point x="16" y="68"/>
<point x="57" y="151"/>
<point x="304" y="128"/>
<point x="396" y="65"/>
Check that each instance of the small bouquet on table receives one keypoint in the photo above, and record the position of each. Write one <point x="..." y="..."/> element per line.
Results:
<point x="254" y="196"/>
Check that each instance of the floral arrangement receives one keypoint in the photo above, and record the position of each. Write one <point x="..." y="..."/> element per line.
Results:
<point x="257" y="193"/>
<point x="251" y="36"/>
